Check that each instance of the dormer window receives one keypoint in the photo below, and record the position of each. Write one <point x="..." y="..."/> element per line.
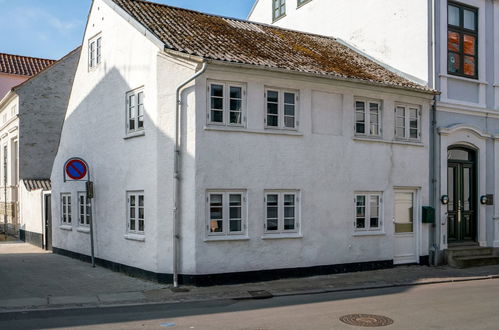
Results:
<point x="278" y="9"/>
<point x="94" y="52"/>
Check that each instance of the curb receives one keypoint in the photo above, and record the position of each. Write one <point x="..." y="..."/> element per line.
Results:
<point x="270" y="295"/>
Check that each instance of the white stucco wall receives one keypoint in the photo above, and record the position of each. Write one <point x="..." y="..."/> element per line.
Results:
<point x="327" y="165"/>
<point x="496" y="51"/>
<point x="95" y="130"/>
<point x="31" y="209"/>
<point x="392" y="31"/>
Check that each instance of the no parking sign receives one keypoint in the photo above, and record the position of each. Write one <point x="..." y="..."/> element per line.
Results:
<point x="76" y="169"/>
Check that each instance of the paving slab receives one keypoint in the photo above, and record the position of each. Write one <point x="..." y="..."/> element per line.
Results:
<point x="73" y="300"/>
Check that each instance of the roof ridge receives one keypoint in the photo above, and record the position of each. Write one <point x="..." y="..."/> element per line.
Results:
<point x="235" y="19"/>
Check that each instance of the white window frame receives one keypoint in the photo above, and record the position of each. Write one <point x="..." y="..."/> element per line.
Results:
<point x="226" y="232"/>
<point x="135" y="108"/>
<point x="227" y="85"/>
<point x="278" y="6"/>
<point x="407" y="121"/>
<point x="94" y="51"/>
<point x="280" y="212"/>
<point x="367" y="117"/>
<point x="367" y="212"/>
<point x="280" y="108"/>
<point x="87" y="209"/>
<point x="301" y="3"/>
<point x="66" y="209"/>
<point x="136" y="195"/>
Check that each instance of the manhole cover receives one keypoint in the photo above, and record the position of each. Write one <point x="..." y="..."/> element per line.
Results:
<point x="366" y="320"/>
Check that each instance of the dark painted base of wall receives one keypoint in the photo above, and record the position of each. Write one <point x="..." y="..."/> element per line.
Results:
<point x="35" y="239"/>
<point x="232" y="278"/>
<point x="424" y="260"/>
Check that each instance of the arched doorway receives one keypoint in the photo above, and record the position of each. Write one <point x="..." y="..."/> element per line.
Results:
<point x="461" y="188"/>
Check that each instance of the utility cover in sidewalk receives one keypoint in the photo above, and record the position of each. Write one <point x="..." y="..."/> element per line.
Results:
<point x="261" y="294"/>
<point x="366" y="320"/>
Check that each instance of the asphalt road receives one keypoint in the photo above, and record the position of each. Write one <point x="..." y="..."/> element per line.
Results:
<point x="464" y="305"/>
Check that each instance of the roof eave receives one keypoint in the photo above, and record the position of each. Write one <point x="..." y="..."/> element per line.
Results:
<point x="7" y="98"/>
<point x="317" y="75"/>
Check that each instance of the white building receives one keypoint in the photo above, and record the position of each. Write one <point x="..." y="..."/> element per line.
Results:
<point x="31" y="116"/>
<point x="289" y="158"/>
<point x="450" y="46"/>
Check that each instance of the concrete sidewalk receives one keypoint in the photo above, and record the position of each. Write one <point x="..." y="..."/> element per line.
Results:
<point x="32" y="279"/>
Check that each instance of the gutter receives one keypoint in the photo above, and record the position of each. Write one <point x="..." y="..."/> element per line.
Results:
<point x="177" y="174"/>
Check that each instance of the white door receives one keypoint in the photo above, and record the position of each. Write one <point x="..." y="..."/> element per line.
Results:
<point x="405" y="229"/>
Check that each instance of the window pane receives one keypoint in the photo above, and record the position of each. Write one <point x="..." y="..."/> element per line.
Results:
<point x="469" y="44"/>
<point x="272" y="121"/>
<point x="141" y="213"/>
<point x="289" y="122"/>
<point x="454" y="63"/>
<point x="235" y="117"/>
<point x="141" y="200"/>
<point x="469" y="66"/>
<point x="289" y="98"/>
<point x="235" y="225"/>
<point x="272" y="108"/>
<point x="453" y="41"/>
<point x="217" y="103"/>
<point x="217" y="116"/>
<point x="217" y="90"/>
<point x="141" y="225"/>
<point x="236" y="92"/>
<point x="216" y="213"/>
<point x="289" y="223"/>
<point x="360" y="118"/>
<point x="272" y="212"/>
<point x="374" y="212"/>
<point x="132" y="200"/>
<point x="273" y="96"/>
<point x="132" y="224"/>
<point x="469" y="19"/>
<point x="272" y="224"/>
<point x="289" y="110"/>
<point x="454" y="17"/>
<point x="235" y="105"/>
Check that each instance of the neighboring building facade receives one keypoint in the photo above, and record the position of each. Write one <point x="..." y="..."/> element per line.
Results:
<point x="453" y="47"/>
<point x="295" y="152"/>
<point x="32" y="114"/>
<point x="14" y="69"/>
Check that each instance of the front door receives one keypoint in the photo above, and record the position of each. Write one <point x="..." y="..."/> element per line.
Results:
<point x="48" y="222"/>
<point x="405" y="229"/>
<point x="461" y="209"/>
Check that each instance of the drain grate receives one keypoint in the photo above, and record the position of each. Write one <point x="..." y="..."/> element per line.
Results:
<point x="261" y="294"/>
<point x="366" y="320"/>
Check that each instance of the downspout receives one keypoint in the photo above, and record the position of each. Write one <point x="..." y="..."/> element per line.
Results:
<point x="176" y="174"/>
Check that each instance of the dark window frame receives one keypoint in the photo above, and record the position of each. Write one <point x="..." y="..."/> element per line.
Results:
<point x="462" y="31"/>
<point x="301" y="3"/>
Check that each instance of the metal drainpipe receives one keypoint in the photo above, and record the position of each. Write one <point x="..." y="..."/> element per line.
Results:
<point x="176" y="174"/>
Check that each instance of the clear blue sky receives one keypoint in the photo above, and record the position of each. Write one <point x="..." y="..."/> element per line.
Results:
<point x="52" y="28"/>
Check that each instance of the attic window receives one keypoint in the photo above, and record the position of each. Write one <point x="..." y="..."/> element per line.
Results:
<point x="278" y="9"/>
<point x="94" y="52"/>
<point x="302" y="2"/>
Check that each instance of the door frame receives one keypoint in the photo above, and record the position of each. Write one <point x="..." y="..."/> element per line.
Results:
<point x="46" y="237"/>
<point x="469" y="137"/>
<point x="460" y="164"/>
<point x="416" y="200"/>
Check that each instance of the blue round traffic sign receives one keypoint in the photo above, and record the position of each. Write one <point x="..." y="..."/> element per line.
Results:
<point x="76" y="169"/>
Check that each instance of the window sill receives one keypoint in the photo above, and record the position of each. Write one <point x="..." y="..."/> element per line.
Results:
<point x="282" y="236"/>
<point x="134" y="134"/>
<point x="226" y="238"/>
<point x="135" y="237"/>
<point x="85" y="230"/>
<point x="379" y="140"/>
<point x="66" y="227"/>
<point x="368" y="233"/>
<point x="471" y="80"/>
<point x="252" y="131"/>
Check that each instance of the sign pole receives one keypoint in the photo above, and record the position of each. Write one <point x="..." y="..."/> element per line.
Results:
<point x="76" y="169"/>
<point x="90" y="194"/>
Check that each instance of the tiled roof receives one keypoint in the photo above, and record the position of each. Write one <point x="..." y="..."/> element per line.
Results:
<point x="36" y="184"/>
<point x="237" y="41"/>
<point x="23" y="65"/>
